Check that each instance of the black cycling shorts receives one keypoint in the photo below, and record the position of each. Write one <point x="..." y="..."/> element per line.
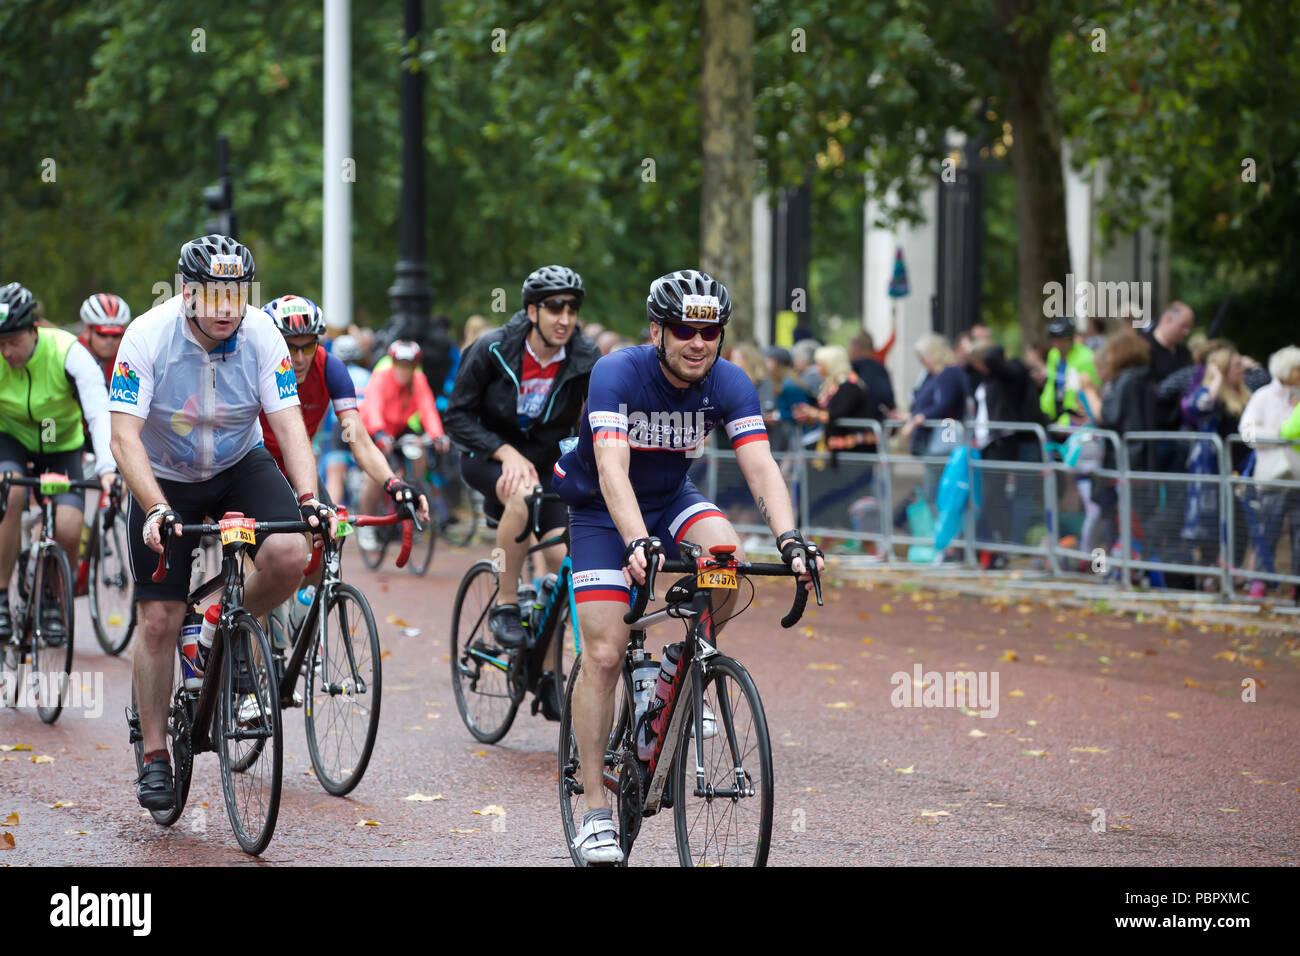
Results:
<point x="481" y="474"/>
<point x="253" y="486"/>
<point x="14" y="457"/>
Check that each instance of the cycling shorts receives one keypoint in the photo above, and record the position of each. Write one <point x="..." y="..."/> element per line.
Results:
<point x="14" y="457"/>
<point x="481" y="474"/>
<point x="597" y="547"/>
<point x="253" y="486"/>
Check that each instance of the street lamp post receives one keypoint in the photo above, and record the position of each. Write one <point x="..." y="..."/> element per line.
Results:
<point x="410" y="297"/>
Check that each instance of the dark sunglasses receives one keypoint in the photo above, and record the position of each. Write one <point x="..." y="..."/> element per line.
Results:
<point x="308" y="349"/>
<point x="686" y="332"/>
<point x="558" y="305"/>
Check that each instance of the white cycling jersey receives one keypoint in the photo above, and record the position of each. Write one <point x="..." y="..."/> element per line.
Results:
<point x="200" y="408"/>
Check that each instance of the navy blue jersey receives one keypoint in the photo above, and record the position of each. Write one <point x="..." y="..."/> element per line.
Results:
<point x="630" y="399"/>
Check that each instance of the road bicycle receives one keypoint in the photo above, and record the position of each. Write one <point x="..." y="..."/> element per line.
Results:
<point x="719" y="783"/>
<point x="455" y="507"/>
<point x="104" y="573"/>
<point x="490" y="681"/>
<point x="44" y="585"/>
<point x="337" y="643"/>
<point x="236" y="710"/>
<point x="406" y="452"/>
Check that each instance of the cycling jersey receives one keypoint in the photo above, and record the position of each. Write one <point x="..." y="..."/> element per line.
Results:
<point x="106" y="365"/>
<point x="631" y="399"/>
<point x="389" y="407"/>
<point x="200" y="408"/>
<point x="42" y="403"/>
<point x="327" y="381"/>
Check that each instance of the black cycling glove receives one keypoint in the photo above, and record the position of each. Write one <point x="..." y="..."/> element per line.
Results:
<point x="399" y="490"/>
<point x="793" y="546"/>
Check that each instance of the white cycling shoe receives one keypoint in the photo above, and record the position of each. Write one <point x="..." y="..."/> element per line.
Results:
<point x="710" y="725"/>
<point x="597" y="841"/>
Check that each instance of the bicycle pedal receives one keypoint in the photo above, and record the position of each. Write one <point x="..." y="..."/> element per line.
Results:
<point x="133" y="726"/>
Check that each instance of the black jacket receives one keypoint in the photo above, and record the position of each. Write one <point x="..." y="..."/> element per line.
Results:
<point x="1129" y="405"/>
<point x="481" y="414"/>
<point x="880" y="391"/>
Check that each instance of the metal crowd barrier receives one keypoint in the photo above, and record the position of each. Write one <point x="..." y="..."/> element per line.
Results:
<point x="1216" y="528"/>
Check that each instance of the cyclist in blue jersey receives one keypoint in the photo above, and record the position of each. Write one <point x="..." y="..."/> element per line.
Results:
<point x="650" y="410"/>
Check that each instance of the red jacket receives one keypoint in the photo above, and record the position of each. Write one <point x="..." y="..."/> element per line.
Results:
<point x="388" y="407"/>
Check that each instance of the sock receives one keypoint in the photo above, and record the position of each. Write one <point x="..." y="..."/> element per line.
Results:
<point x="596" y="815"/>
<point x="156" y="755"/>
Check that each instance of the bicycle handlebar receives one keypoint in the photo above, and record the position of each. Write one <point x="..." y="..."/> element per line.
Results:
<point x="12" y="478"/>
<point x="721" y="559"/>
<point x="176" y="530"/>
<point x="410" y="524"/>
<point x="533" y="502"/>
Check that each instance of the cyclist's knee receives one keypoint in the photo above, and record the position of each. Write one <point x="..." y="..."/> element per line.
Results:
<point x="283" y="555"/>
<point x="17" y="502"/>
<point x="160" y="622"/>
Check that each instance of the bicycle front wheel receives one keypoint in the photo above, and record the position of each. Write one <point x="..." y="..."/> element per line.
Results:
<point x="343" y="691"/>
<point x="249" y="717"/>
<point x="52" y="635"/>
<point x="728" y="820"/>
<point x="112" y="595"/>
<point x="479" y="667"/>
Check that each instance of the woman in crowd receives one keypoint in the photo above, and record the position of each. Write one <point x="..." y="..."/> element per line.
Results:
<point x="941" y="395"/>
<point x="1269" y="507"/>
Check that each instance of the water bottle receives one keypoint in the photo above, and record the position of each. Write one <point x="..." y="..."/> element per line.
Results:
<point x="663" y="690"/>
<point x="645" y="675"/>
<point x="544" y="593"/>
<point x="297" y="611"/>
<point x="188" y="644"/>
<point x="206" y="633"/>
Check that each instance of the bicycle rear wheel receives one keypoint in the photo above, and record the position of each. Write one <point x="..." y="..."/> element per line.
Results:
<point x="458" y="523"/>
<point x="52" y="662"/>
<point x="112" y="594"/>
<point x="573" y="781"/>
<point x="479" y="667"/>
<point x="249" y="712"/>
<point x="344" y="685"/>
<point x="730" y="823"/>
<point x="178" y="746"/>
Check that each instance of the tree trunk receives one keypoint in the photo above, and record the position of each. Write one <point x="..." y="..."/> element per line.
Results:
<point x="727" y="121"/>
<point x="1024" y="64"/>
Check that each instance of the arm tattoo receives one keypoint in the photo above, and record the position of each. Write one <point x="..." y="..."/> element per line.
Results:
<point x="762" y="509"/>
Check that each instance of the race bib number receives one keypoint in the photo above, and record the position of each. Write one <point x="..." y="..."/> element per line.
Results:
<point x="717" y="578"/>
<point x="227" y="267"/>
<point x="701" y="308"/>
<point x="237" y="530"/>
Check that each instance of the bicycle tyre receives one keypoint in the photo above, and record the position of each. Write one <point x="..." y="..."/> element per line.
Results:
<point x="353" y="767"/>
<point x="53" y="662"/>
<point x="108" y="551"/>
<point x="572" y="802"/>
<point x="473" y="665"/>
<point x="178" y="749"/>
<point x="458" y="501"/>
<point x="730" y="693"/>
<point x="253" y="808"/>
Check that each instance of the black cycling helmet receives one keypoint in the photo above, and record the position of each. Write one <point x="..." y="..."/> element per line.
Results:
<point x="296" y="315"/>
<point x="215" y="258"/>
<point x="688" y="295"/>
<point x="548" y="280"/>
<point x="17" y="308"/>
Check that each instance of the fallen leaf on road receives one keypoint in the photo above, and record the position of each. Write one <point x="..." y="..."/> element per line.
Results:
<point x="1040" y="658"/>
<point x="8" y="747"/>
<point x="863" y="616"/>
<point x="471" y="830"/>
<point x="1032" y="723"/>
<point x="807" y="631"/>
<point x="60" y="803"/>
<point x="102" y="747"/>
<point x="11" y="820"/>
<point x="75" y="832"/>
<point x="811" y="790"/>
<point x="1228" y="810"/>
<point x="479" y="753"/>
<point x="385" y="655"/>
<point x="1188" y="682"/>
<point x="1274" y="782"/>
<point x="394" y="619"/>
<point x="868" y="640"/>
<point x="1228" y="656"/>
<point x="934" y="813"/>
<point x="1120" y="826"/>
<point x="824" y="667"/>
<point x="1015" y="693"/>
<point x="367" y="823"/>
<point x="911" y="769"/>
<point x="1036" y="753"/>
<point x="1088" y="750"/>
<point x="423" y="798"/>
<point x="6" y="841"/>
<point x="1008" y="656"/>
<point x="977" y="733"/>
<point x="491" y="811"/>
<point x="841" y="705"/>
<point x="886" y="609"/>
<point x="43" y="758"/>
<point x="1174" y="715"/>
<point x="1103" y="659"/>
<point x="995" y="804"/>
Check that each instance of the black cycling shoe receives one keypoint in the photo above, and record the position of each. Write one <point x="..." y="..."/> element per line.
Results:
<point x="155" y="788"/>
<point x="6" y="623"/>
<point x="548" y="695"/>
<point x="52" y="630"/>
<point x="506" y="625"/>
